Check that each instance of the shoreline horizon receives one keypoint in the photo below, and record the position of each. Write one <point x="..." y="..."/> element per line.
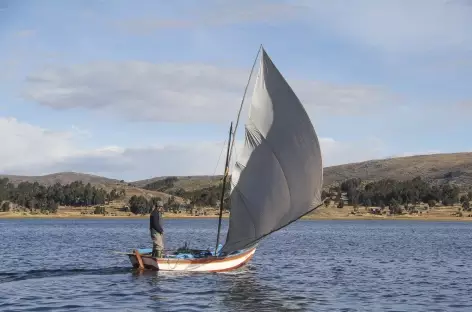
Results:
<point x="6" y="216"/>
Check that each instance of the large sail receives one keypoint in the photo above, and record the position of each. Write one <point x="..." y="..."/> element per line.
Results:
<point x="279" y="176"/>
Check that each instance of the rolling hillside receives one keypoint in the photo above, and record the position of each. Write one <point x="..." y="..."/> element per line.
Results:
<point x="437" y="168"/>
<point x="203" y="191"/>
<point x="64" y="178"/>
<point x="98" y="181"/>
<point x="188" y="183"/>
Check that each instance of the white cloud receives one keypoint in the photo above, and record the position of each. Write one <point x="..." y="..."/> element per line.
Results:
<point x="338" y="153"/>
<point x="24" y="145"/>
<point x="395" y="26"/>
<point x="178" y="92"/>
<point x="193" y="159"/>
<point x="31" y="150"/>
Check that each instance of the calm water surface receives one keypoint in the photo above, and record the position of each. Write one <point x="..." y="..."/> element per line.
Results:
<point x="68" y="265"/>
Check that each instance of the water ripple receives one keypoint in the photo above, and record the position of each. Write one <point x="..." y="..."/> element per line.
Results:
<point x="309" y="266"/>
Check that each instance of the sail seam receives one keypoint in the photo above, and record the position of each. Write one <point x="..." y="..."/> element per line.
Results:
<point x="281" y="227"/>
<point x="244" y="199"/>
<point x="251" y="138"/>
<point x="266" y="68"/>
<point x="263" y="140"/>
<point x="281" y="169"/>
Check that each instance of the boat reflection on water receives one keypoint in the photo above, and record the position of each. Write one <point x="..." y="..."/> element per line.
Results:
<point x="245" y="291"/>
<point x="242" y="290"/>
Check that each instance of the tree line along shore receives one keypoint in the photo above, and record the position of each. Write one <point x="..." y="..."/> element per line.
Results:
<point x="352" y="198"/>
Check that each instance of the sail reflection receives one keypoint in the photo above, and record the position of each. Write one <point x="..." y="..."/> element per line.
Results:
<point x="245" y="291"/>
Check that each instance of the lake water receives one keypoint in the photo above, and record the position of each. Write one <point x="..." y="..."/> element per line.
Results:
<point x="67" y="265"/>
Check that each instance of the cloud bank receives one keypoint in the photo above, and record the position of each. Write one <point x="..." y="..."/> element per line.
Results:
<point x="178" y="92"/>
<point x="417" y="26"/>
<point x="32" y="150"/>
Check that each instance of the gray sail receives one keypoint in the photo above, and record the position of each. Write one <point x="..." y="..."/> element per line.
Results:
<point x="279" y="176"/>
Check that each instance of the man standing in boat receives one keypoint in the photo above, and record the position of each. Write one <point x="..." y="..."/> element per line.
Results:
<point x="157" y="231"/>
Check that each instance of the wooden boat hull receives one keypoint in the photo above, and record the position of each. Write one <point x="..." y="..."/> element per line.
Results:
<point x="208" y="264"/>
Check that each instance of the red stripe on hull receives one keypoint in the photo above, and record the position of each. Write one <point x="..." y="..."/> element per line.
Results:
<point x="167" y="261"/>
<point x="235" y="267"/>
<point x="198" y="261"/>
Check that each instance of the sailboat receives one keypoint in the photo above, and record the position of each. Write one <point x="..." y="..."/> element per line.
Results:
<point x="277" y="180"/>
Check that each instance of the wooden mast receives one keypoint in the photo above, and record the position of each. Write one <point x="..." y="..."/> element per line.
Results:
<point x="231" y="147"/>
<point x="224" y="187"/>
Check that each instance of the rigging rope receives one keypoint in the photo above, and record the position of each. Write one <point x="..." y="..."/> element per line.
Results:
<point x="242" y="103"/>
<point x="218" y="162"/>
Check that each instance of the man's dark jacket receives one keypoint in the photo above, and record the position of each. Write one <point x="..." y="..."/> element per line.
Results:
<point x="155" y="223"/>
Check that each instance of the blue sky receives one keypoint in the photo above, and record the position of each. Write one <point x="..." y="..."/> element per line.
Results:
<point x="137" y="89"/>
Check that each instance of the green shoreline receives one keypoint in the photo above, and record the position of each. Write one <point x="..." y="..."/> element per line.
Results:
<point x="306" y="218"/>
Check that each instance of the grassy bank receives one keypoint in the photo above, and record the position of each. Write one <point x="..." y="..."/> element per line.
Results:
<point x="78" y="215"/>
<point x="322" y="213"/>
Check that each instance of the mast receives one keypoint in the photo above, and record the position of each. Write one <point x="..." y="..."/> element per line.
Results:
<point x="224" y="187"/>
<point x="229" y="151"/>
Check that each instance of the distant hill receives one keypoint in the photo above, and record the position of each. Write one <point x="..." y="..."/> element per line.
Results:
<point x="188" y="183"/>
<point x="98" y="181"/>
<point x="64" y="178"/>
<point x="436" y="168"/>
